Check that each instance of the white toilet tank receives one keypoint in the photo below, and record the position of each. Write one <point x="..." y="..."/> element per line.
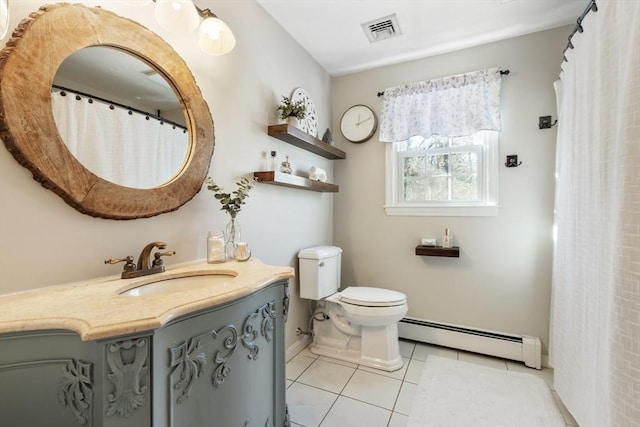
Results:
<point x="319" y="271"/>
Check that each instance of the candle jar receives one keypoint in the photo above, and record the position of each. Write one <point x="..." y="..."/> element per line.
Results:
<point x="216" y="247"/>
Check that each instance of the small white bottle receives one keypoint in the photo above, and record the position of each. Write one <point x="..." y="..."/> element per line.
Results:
<point x="273" y="162"/>
<point x="447" y="240"/>
<point x="215" y="247"/>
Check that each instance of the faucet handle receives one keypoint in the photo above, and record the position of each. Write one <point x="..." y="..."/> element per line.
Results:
<point x="128" y="260"/>
<point x="158" y="257"/>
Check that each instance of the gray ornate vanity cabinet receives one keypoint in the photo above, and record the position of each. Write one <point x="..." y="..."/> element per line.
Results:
<point x="222" y="366"/>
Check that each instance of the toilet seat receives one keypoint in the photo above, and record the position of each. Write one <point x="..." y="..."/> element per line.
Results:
<point x="371" y="297"/>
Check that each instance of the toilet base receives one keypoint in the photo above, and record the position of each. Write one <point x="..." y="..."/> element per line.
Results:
<point x="376" y="347"/>
<point x="355" y="356"/>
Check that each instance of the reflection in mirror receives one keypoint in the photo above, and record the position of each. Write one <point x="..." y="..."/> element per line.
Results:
<point x="119" y="117"/>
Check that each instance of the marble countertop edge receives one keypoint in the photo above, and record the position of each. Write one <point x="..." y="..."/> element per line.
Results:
<point x="96" y="308"/>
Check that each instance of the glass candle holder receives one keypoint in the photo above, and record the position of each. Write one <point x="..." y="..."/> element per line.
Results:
<point x="215" y="247"/>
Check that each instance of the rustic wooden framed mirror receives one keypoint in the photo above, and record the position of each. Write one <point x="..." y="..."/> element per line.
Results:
<point x="28" y="64"/>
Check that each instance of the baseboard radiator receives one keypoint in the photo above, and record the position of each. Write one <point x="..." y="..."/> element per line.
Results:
<point x="522" y="348"/>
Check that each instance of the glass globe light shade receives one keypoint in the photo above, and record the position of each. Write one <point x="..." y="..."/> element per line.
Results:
<point x="177" y="16"/>
<point x="137" y="3"/>
<point x="215" y="37"/>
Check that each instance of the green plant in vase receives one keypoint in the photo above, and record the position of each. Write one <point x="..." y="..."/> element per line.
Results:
<point x="232" y="204"/>
<point x="294" y="110"/>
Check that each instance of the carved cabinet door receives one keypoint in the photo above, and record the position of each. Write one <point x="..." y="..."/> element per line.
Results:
<point x="47" y="378"/>
<point x="223" y="367"/>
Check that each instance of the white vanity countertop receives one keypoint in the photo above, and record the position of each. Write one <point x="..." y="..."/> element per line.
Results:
<point x="95" y="308"/>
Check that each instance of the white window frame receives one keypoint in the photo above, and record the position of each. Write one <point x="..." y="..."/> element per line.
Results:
<point x="488" y="172"/>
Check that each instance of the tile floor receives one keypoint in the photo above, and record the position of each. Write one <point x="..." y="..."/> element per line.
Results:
<point x="324" y="392"/>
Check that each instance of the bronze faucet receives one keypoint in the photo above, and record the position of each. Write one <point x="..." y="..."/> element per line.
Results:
<point x="144" y="266"/>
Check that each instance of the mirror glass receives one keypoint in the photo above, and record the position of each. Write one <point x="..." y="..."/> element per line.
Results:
<point x="119" y="117"/>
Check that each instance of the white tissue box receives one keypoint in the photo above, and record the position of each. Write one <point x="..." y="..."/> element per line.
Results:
<point x="429" y="242"/>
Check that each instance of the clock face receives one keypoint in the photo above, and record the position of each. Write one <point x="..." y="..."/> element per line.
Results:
<point x="358" y="123"/>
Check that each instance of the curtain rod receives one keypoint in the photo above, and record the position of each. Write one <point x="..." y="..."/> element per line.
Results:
<point x="157" y="117"/>
<point x="503" y="72"/>
<point x="578" y="28"/>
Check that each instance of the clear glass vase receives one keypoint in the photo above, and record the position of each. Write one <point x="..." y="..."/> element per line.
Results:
<point x="232" y="237"/>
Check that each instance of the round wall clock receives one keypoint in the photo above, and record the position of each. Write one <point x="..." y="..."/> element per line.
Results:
<point x="358" y="123"/>
<point x="310" y="122"/>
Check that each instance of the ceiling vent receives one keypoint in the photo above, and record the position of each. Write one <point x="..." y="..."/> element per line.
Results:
<point x="382" y="28"/>
<point x="155" y="77"/>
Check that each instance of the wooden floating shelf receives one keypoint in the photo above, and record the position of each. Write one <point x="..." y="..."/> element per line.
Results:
<point x="453" y="252"/>
<point x="294" y="181"/>
<point x="301" y="139"/>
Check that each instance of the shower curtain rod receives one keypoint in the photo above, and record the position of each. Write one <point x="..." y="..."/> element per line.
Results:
<point x="578" y="28"/>
<point x="113" y="104"/>
<point x="503" y="72"/>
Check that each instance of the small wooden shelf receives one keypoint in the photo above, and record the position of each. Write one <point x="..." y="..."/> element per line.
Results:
<point x="301" y="139"/>
<point x="453" y="252"/>
<point x="294" y="181"/>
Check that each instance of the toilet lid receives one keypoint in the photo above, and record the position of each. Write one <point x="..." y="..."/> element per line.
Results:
<point x="372" y="297"/>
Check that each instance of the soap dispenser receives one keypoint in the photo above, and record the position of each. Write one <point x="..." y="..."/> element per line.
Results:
<point x="447" y="241"/>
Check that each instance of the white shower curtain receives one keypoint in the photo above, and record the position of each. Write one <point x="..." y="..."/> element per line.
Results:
<point x="595" y="324"/>
<point x="123" y="148"/>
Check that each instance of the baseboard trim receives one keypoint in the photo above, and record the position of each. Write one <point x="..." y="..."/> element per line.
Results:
<point x="545" y="361"/>
<point x="297" y="347"/>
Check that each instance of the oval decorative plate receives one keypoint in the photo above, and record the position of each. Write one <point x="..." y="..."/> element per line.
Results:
<point x="310" y="122"/>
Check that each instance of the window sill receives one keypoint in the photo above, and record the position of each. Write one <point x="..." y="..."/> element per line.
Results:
<point x="442" y="211"/>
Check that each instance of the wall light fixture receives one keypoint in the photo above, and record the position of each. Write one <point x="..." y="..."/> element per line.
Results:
<point x="183" y="16"/>
<point x="4" y="18"/>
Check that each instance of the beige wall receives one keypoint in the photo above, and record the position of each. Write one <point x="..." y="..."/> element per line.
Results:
<point x="501" y="281"/>
<point x="503" y="276"/>
<point x="44" y="242"/>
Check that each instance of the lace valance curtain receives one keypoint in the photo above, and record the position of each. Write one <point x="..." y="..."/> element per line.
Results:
<point x="451" y="106"/>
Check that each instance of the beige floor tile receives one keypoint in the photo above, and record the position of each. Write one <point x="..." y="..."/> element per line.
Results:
<point x="350" y="412"/>
<point x="338" y="361"/>
<point x="423" y="350"/>
<point x="372" y="388"/>
<point x="369" y="395"/>
<point x="297" y="365"/>
<point x="545" y="374"/>
<point x="414" y="370"/>
<point x="406" y="348"/>
<point x="308" y="405"/>
<point x="306" y="352"/>
<point x="405" y="398"/>
<point x="398" y="420"/>
<point x="326" y="375"/>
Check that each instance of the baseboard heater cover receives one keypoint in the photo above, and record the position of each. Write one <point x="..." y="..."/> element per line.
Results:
<point x="522" y="348"/>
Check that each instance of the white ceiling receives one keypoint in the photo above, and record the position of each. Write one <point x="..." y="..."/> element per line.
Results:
<point x="331" y="31"/>
<point x="118" y="76"/>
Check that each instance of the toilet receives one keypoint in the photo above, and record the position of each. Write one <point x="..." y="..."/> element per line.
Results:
<point x="358" y="324"/>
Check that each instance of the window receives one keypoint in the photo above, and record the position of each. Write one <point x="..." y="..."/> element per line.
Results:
<point x="448" y="176"/>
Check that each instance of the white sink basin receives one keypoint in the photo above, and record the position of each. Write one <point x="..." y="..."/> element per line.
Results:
<point x="211" y="281"/>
